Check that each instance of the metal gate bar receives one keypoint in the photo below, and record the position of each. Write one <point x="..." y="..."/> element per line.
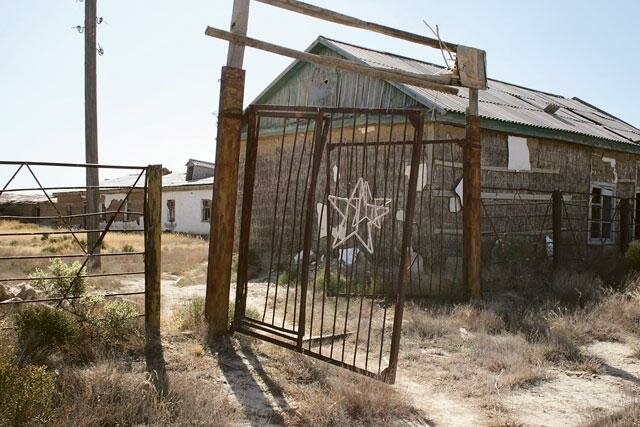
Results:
<point x="347" y="302"/>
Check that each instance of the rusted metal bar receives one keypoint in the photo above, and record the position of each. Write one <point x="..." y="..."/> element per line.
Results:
<point x="225" y="191"/>
<point x="152" y="258"/>
<point x="104" y="254"/>
<point x="75" y="187"/>
<point x="40" y="233"/>
<point x="471" y="200"/>
<point x="625" y="224"/>
<point x="80" y="276"/>
<point x="378" y="143"/>
<point x="405" y="258"/>
<point x="556" y="219"/>
<point x="138" y="214"/>
<point x="245" y="220"/>
<point x="4" y="188"/>
<point x="320" y="136"/>
<point x="121" y="294"/>
<point x="71" y="165"/>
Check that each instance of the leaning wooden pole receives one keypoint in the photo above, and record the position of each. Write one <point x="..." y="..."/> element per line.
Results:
<point x="471" y="199"/>
<point x="91" y="129"/>
<point x="225" y="188"/>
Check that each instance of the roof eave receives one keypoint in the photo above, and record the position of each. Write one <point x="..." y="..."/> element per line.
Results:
<point x="517" y="129"/>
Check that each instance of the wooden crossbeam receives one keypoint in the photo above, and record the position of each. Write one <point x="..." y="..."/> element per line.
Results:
<point x="339" y="18"/>
<point x="435" y="82"/>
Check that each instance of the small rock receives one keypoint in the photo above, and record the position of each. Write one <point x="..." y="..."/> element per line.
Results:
<point x="27" y="292"/>
<point x="5" y="294"/>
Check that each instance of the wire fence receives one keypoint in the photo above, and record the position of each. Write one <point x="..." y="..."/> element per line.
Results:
<point x="51" y="234"/>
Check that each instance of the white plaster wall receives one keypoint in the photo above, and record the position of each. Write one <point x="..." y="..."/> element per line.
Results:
<point x="188" y="211"/>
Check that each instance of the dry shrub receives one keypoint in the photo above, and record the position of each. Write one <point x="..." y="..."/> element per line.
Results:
<point x="509" y="360"/>
<point x="575" y="289"/>
<point x="427" y="323"/>
<point x="190" y="315"/>
<point x="347" y="399"/>
<point x="104" y="395"/>
<point x="478" y="319"/>
<point x="628" y="417"/>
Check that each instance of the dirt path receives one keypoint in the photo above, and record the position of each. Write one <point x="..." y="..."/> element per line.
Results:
<point x="568" y="398"/>
<point x="572" y="398"/>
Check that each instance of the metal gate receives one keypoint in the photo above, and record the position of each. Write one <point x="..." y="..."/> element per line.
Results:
<point x="327" y="215"/>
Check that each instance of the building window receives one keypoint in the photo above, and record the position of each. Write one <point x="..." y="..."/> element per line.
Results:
<point x="206" y="210"/>
<point x="601" y="214"/>
<point x="171" y="210"/>
<point x="128" y="208"/>
<point x="37" y="213"/>
<point x="103" y="214"/>
<point x="69" y="210"/>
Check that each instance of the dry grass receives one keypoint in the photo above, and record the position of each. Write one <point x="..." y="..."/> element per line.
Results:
<point x="329" y="396"/>
<point x="182" y="255"/>
<point x="628" y="417"/>
<point x="108" y="395"/>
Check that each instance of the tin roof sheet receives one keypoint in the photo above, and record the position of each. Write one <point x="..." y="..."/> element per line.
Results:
<point x="501" y="101"/>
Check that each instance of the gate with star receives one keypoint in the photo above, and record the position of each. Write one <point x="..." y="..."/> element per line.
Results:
<point x="328" y="202"/>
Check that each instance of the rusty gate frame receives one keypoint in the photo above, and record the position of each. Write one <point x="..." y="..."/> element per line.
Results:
<point x="291" y="338"/>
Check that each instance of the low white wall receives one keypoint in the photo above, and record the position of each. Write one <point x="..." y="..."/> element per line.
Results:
<point x="188" y="211"/>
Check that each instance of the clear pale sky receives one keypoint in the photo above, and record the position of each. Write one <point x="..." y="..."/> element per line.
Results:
<point x="158" y="79"/>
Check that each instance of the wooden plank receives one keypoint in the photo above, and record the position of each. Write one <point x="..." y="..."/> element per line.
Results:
<point x="435" y="82"/>
<point x="504" y="169"/>
<point x="472" y="67"/>
<point x="339" y="18"/>
<point x="152" y="258"/>
<point x="239" y="22"/>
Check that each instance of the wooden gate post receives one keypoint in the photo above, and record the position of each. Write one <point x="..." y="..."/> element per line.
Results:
<point x="625" y="222"/>
<point x="152" y="258"/>
<point x="556" y="219"/>
<point x="225" y="184"/>
<point x="471" y="199"/>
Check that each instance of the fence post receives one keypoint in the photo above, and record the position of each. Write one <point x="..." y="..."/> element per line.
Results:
<point x="556" y="218"/>
<point x="624" y="224"/>
<point x="471" y="206"/>
<point x="152" y="258"/>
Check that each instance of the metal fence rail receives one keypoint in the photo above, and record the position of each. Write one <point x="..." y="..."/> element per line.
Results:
<point x="55" y="224"/>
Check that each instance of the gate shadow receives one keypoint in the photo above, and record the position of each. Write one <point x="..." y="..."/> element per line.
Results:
<point x="259" y="395"/>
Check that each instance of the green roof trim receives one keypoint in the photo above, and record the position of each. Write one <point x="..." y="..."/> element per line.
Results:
<point x="517" y="129"/>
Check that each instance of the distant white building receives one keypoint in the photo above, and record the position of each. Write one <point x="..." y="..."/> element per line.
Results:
<point x="186" y="199"/>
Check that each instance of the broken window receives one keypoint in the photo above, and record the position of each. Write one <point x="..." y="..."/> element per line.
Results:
<point x="171" y="210"/>
<point x="206" y="210"/>
<point x="518" y="154"/>
<point x="601" y="214"/>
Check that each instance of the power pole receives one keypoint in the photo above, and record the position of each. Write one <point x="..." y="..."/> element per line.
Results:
<point x="91" y="129"/>
<point x="225" y="184"/>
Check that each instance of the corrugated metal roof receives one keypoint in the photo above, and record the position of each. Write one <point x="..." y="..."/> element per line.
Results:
<point x="501" y="101"/>
<point x="176" y="179"/>
<point x="12" y="198"/>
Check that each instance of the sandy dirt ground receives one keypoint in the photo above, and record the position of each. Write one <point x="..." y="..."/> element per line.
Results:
<point x="567" y="398"/>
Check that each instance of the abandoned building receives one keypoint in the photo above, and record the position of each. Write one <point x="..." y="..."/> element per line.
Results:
<point x="533" y="143"/>
<point x="186" y="202"/>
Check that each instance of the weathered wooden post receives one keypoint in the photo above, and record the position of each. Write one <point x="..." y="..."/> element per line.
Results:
<point x="625" y="224"/>
<point x="152" y="257"/>
<point x="556" y="219"/>
<point x="225" y="187"/>
<point x="91" y="132"/>
<point x="471" y="199"/>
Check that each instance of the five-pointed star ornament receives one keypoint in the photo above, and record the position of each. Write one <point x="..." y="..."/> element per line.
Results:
<point x="358" y="210"/>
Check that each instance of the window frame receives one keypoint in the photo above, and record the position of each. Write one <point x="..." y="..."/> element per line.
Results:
<point x="609" y="188"/>
<point x="205" y="210"/>
<point x="171" y="210"/>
